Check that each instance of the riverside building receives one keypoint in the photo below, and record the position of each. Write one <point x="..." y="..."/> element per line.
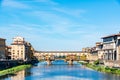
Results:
<point x="2" y="48"/>
<point x="21" y="50"/>
<point x="111" y="49"/>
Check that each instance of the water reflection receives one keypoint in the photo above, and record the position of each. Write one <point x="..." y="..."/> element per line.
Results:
<point x="19" y="75"/>
<point x="57" y="71"/>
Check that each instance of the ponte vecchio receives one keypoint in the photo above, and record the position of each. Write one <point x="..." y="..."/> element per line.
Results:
<point x="68" y="56"/>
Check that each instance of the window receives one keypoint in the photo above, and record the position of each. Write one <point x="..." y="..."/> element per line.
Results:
<point x="118" y="42"/>
<point x="107" y="39"/>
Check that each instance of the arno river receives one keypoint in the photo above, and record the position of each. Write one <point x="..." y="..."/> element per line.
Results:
<point x="59" y="71"/>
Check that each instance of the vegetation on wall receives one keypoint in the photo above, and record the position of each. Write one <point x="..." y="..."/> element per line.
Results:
<point x="101" y="68"/>
<point x="14" y="69"/>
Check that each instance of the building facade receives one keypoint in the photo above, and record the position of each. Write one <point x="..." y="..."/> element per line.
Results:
<point x="8" y="52"/>
<point x="21" y="50"/>
<point x="111" y="47"/>
<point x="99" y="49"/>
<point x="2" y="48"/>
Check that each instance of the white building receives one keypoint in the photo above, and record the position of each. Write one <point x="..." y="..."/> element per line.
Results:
<point x="111" y="47"/>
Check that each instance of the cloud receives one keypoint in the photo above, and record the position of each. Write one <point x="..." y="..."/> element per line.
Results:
<point x="52" y="20"/>
<point x="50" y="2"/>
<point x="49" y="23"/>
<point x="71" y="12"/>
<point x="49" y="17"/>
<point x="37" y="33"/>
<point x="14" y="4"/>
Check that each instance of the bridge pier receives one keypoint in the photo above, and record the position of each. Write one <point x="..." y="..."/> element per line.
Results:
<point x="49" y="62"/>
<point x="70" y="62"/>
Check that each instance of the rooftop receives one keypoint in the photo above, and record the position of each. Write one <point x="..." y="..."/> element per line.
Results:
<point x="17" y="44"/>
<point x="2" y="39"/>
<point x="59" y="51"/>
<point x="111" y="35"/>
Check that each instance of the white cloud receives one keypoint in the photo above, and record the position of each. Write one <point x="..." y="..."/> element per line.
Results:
<point x="71" y="12"/>
<point x="49" y="17"/>
<point x="14" y="4"/>
<point x="50" y="2"/>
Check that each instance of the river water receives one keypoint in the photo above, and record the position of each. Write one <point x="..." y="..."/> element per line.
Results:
<point x="59" y="71"/>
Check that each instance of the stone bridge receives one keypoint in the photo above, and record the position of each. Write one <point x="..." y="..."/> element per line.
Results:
<point x="67" y="56"/>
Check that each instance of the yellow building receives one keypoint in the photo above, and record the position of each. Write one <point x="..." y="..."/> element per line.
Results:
<point x="91" y="53"/>
<point x="21" y="50"/>
<point x="2" y="48"/>
<point x="93" y="57"/>
<point x="84" y="55"/>
<point x="87" y="49"/>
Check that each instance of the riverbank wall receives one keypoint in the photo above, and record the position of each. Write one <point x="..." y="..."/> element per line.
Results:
<point x="14" y="69"/>
<point x="102" y="68"/>
<point x="5" y="64"/>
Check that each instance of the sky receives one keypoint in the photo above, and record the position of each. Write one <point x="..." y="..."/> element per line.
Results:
<point x="67" y="25"/>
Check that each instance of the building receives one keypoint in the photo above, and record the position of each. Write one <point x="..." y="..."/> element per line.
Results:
<point x="8" y="52"/>
<point x="21" y="50"/>
<point x="2" y="48"/>
<point x="111" y="48"/>
<point x="87" y="49"/>
<point x="99" y="49"/>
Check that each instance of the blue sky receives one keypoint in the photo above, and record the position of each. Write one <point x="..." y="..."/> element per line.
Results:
<point x="59" y="24"/>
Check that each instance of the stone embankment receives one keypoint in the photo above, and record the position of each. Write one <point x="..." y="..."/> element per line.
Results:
<point x="12" y="66"/>
<point x="14" y="69"/>
<point x="102" y="68"/>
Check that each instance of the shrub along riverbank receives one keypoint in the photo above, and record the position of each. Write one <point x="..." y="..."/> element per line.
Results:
<point x="102" y="68"/>
<point x="14" y="69"/>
